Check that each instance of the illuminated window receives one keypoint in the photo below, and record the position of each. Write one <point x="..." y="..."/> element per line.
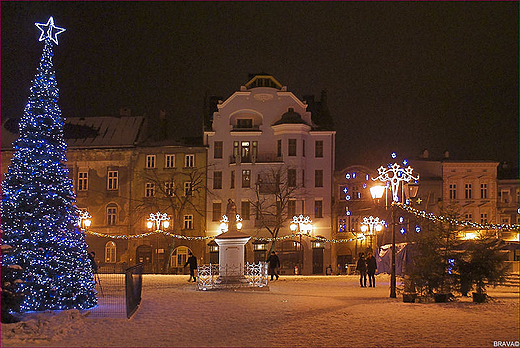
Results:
<point x="110" y="252"/>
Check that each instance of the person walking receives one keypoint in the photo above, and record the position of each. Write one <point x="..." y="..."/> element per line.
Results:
<point x="371" y="269"/>
<point x="92" y="257"/>
<point x="361" y="267"/>
<point x="192" y="261"/>
<point x="274" y="263"/>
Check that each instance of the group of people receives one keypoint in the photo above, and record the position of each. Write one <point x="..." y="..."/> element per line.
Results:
<point x="367" y="266"/>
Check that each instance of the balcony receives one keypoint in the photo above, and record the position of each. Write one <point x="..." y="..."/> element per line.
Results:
<point x="260" y="158"/>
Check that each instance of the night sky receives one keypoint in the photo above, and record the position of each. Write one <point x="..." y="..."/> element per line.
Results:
<point x="400" y="76"/>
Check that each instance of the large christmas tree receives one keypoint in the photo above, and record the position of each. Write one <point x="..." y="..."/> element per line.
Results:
<point x="38" y="213"/>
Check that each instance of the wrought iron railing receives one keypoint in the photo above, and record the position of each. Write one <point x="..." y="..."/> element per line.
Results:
<point x="255" y="275"/>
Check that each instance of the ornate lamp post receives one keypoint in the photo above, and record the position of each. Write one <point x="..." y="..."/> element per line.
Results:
<point x="394" y="175"/>
<point x="304" y="226"/>
<point x="370" y="224"/>
<point x="158" y="222"/>
<point x="84" y="220"/>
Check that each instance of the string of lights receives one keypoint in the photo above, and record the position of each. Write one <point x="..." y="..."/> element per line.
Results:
<point x="461" y="223"/>
<point x="178" y="236"/>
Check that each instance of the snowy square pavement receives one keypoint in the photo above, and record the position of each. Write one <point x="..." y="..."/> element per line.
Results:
<point x="298" y="311"/>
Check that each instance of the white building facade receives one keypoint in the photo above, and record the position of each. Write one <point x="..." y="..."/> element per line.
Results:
<point x="261" y="129"/>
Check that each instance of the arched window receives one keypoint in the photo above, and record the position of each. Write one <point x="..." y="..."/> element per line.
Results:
<point x="179" y="256"/>
<point x="111" y="214"/>
<point x="110" y="252"/>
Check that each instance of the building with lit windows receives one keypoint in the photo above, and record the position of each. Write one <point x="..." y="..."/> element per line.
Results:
<point x="263" y="129"/>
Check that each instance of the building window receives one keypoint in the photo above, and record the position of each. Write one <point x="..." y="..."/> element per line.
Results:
<point x="217" y="150"/>
<point x="291" y="177"/>
<point x="504" y="196"/>
<point x="110" y="252"/>
<point x="245" y="151"/>
<point x="244" y="123"/>
<point x="217" y="180"/>
<point x="468" y="216"/>
<point x="484" y="218"/>
<point x="292" y="147"/>
<point x="112" y="182"/>
<point x="318" y="209"/>
<point x="279" y="148"/>
<point x="483" y="191"/>
<point x="232" y="183"/>
<point x="82" y="181"/>
<point x="246" y="178"/>
<point x="245" y="210"/>
<point x="169" y="161"/>
<point x="453" y="191"/>
<point x="467" y="191"/>
<point x="150" y="161"/>
<point x="303" y="147"/>
<point x="254" y="150"/>
<point x="111" y="214"/>
<point x="217" y="211"/>
<point x="189" y="161"/>
<point x="303" y="207"/>
<point x="291" y="208"/>
<point x="318" y="178"/>
<point x="318" y="151"/>
<point x="188" y="222"/>
<point x="187" y="188"/>
<point x="303" y="177"/>
<point x="179" y="257"/>
<point x="149" y="189"/>
<point x="235" y="150"/>
<point x="169" y="188"/>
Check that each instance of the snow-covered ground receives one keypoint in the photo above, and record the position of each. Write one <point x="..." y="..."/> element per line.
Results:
<point x="313" y="311"/>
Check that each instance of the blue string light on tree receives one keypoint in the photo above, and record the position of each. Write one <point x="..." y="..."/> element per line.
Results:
<point x="39" y="216"/>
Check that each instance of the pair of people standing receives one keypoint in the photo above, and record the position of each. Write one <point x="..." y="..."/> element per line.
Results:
<point x="366" y="266"/>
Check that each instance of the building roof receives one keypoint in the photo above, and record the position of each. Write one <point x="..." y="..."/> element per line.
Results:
<point x="290" y="116"/>
<point x="88" y="132"/>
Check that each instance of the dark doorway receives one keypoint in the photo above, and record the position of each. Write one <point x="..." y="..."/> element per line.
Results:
<point x="144" y="256"/>
<point x="317" y="261"/>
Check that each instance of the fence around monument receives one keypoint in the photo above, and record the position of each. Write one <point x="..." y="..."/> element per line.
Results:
<point x="255" y="275"/>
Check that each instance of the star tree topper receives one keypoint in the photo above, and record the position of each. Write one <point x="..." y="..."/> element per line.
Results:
<point x="49" y="30"/>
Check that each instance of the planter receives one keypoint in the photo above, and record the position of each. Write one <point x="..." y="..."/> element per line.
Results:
<point x="438" y="298"/>
<point x="409" y="297"/>
<point x="479" y="297"/>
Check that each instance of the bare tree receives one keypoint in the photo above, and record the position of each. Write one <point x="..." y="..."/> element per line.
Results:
<point x="274" y="189"/>
<point x="175" y="193"/>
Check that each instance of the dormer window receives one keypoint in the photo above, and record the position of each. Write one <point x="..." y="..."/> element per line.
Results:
<point x="245" y="123"/>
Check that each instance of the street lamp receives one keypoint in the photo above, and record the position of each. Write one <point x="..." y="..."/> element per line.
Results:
<point x="370" y="224"/>
<point x="84" y="220"/>
<point x="304" y="226"/>
<point x="158" y="221"/>
<point x="224" y="223"/>
<point x="394" y="175"/>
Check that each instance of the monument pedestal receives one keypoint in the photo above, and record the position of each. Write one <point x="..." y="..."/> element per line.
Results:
<point x="231" y="256"/>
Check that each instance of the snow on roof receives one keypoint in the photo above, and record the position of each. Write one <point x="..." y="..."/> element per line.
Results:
<point x="90" y="132"/>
